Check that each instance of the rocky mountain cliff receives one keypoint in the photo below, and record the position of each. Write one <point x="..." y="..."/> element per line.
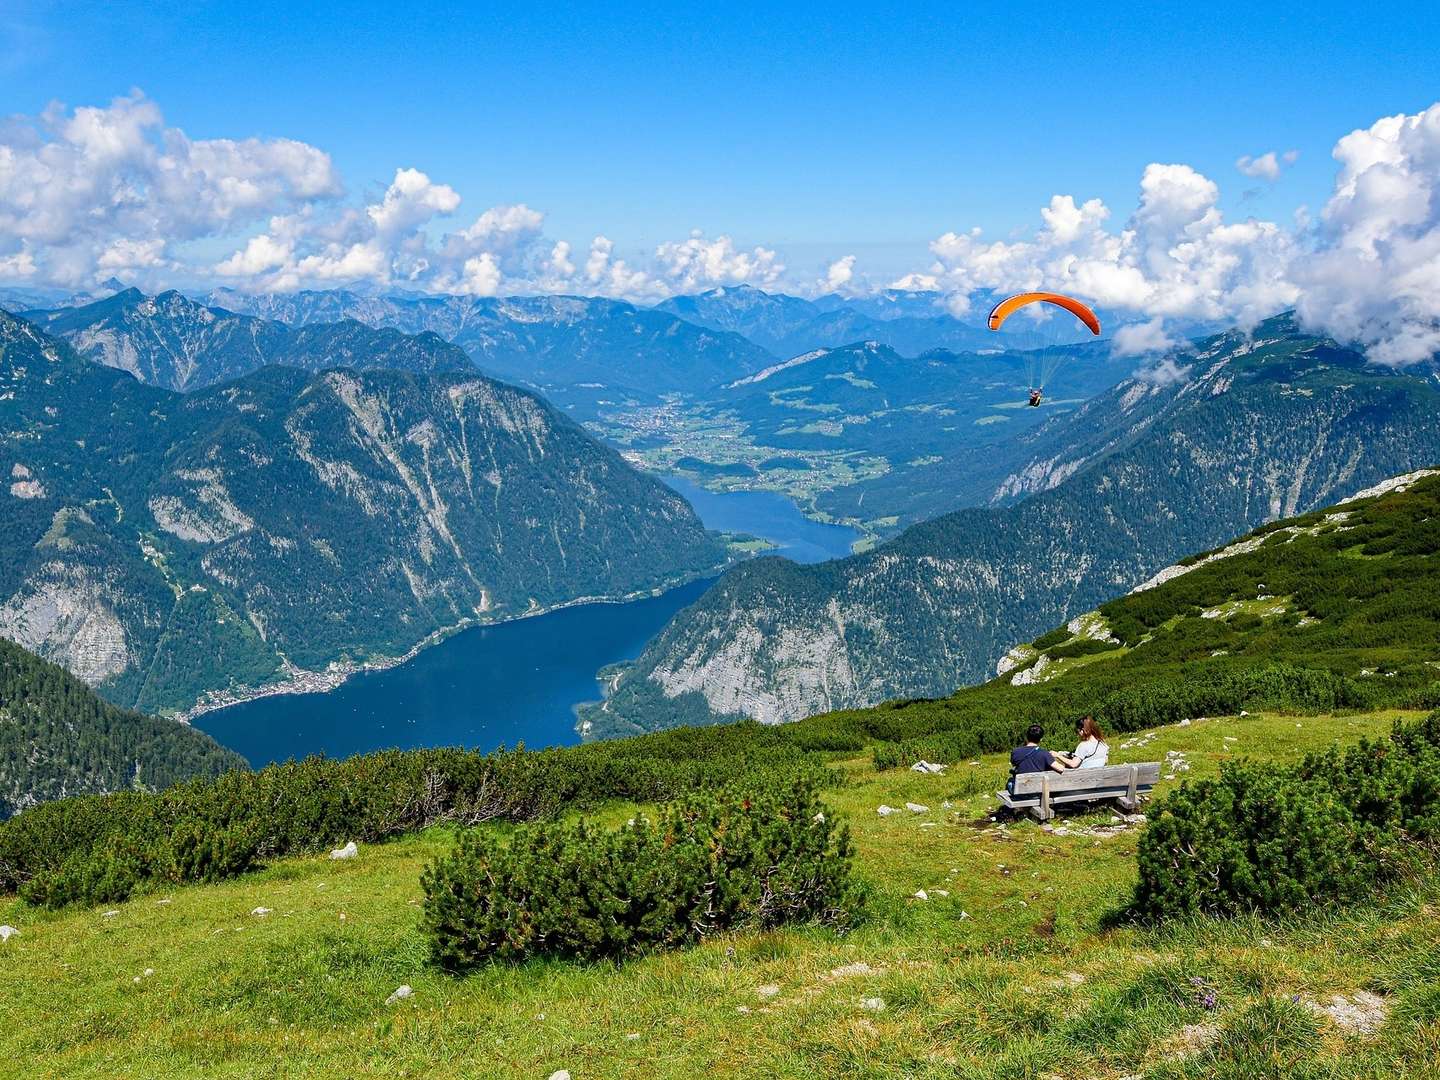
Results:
<point x="1253" y="428"/>
<point x="172" y="341"/>
<point x="166" y="547"/>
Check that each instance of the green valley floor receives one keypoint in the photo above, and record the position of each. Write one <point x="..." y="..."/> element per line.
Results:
<point x="1007" y="969"/>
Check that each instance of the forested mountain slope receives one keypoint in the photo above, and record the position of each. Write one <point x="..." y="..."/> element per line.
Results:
<point x="172" y="341"/>
<point x="1262" y="426"/>
<point x="58" y="738"/>
<point x="165" y="546"/>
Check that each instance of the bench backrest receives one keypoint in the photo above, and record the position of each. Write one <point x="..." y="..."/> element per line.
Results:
<point x="1105" y="778"/>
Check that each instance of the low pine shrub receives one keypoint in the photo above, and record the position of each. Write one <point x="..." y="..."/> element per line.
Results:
<point x="1252" y="840"/>
<point x="713" y="862"/>
<point x="1054" y="637"/>
<point x="1263" y="840"/>
<point x="100" y="849"/>
<point x="1083" y="647"/>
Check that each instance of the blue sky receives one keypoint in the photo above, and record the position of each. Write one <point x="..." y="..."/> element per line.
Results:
<point x="637" y="151"/>
<point x="820" y="129"/>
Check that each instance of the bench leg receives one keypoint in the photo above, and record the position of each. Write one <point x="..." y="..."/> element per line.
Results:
<point x="1043" y="811"/>
<point x="1131" y="799"/>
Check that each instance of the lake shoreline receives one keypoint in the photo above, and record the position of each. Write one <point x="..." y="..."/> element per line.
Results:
<point x="304" y="681"/>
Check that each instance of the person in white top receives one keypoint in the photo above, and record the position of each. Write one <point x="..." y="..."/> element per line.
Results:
<point x="1092" y="752"/>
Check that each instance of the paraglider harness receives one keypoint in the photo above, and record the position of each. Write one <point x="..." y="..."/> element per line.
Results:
<point x="1035" y="399"/>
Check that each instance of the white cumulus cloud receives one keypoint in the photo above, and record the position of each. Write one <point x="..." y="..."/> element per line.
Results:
<point x="701" y="263"/>
<point x="1375" y="276"/>
<point x="1267" y="166"/>
<point x="1141" y="339"/>
<point x="112" y="190"/>
<point x="839" y="274"/>
<point x="1174" y="257"/>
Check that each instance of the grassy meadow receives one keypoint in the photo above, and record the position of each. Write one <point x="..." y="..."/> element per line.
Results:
<point x="1009" y="968"/>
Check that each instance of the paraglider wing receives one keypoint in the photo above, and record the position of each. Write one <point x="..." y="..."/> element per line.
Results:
<point x="1010" y="305"/>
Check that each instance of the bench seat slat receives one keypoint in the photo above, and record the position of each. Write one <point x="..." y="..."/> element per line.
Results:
<point x="1085" y="779"/>
<point x="1025" y="802"/>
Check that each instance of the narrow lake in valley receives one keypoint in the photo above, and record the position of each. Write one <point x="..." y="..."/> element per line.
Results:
<point x="483" y="687"/>
<point x="770" y="515"/>
<point x="517" y="681"/>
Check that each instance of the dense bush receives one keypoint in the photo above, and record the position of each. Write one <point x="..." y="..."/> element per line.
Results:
<point x="713" y="862"/>
<point x="1251" y="840"/>
<point x="1054" y="637"/>
<point x="1261" y="839"/>
<point x="1083" y="647"/>
<point x="97" y="849"/>
<point x="1390" y="784"/>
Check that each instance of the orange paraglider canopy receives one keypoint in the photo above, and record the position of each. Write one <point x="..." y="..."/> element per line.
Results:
<point x="1009" y="306"/>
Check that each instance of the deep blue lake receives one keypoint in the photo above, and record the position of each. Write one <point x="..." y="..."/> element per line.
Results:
<point x="771" y="515"/>
<point x="517" y="681"/>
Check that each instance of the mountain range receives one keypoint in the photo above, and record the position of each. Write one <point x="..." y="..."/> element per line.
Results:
<point x="175" y="342"/>
<point x="908" y="322"/>
<point x="171" y="548"/>
<point x="588" y="348"/>
<point x="1258" y="426"/>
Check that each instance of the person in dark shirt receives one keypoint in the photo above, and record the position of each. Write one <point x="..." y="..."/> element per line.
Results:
<point x="1032" y="757"/>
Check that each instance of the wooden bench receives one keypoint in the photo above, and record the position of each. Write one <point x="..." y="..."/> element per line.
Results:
<point x="1039" y="792"/>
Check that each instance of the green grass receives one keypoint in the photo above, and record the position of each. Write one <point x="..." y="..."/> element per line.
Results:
<point x="1012" y="975"/>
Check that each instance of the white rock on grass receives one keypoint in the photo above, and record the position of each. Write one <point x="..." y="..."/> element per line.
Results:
<point x="921" y="894"/>
<point x="930" y="767"/>
<point x="885" y="811"/>
<point x="401" y="993"/>
<point x="874" y="1004"/>
<point x="1361" y="1013"/>
<point x="1192" y="1039"/>
<point x="917" y="808"/>
<point x="349" y="851"/>
<point x="109" y="914"/>
<point x="851" y="971"/>
<point x="261" y="912"/>
<point x="560" y="1074"/>
<point x="769" y="990"/>
<point x="7" y="932"/>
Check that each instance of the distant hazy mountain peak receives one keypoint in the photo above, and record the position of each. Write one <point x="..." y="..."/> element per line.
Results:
<point x="180" y="343"/>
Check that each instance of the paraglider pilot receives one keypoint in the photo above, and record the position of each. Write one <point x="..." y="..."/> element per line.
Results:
<point x="1034" y="399"/>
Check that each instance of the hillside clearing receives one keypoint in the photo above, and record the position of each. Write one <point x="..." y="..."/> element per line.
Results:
<point x="1004" y="970"/>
